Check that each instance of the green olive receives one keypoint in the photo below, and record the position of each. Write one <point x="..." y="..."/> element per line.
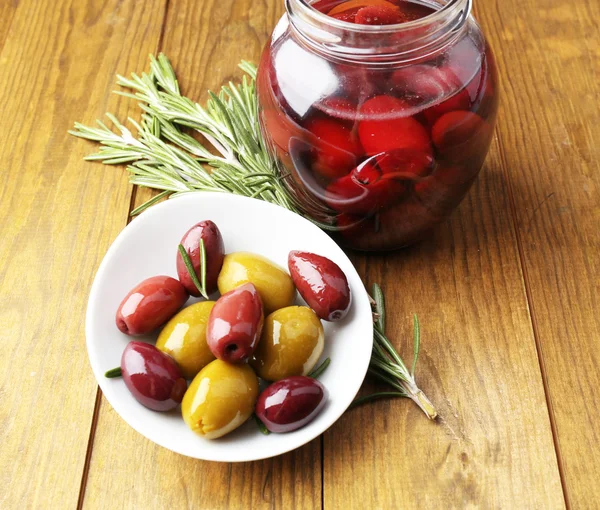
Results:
<point x="220" y="399"/>
<point x="291" y="343"/>
<point x="274" y="285"/>
<point x="184" y="338"/>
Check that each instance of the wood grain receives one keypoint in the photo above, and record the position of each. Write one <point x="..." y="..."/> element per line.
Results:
<point x="507" y="290"/>
<point x="58" y="217"/>
<point x="492" y="446"/>
<point x="205" y="41"/>
<point x="7" y="11"/>
<point x="549" y="132"/>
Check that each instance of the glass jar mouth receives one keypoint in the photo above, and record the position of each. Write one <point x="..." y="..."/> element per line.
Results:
<point x="373" y="44"/>
<point x="438" y="15"/>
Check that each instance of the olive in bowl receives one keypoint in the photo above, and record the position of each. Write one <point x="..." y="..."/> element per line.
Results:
<point x="321" y="283"/>
<point x="150" y="304"/>
<point x="220" y="399"/>
<point x="291" y="344"/>
<point x="184" y="338"/>
<point x="274" y="285"/>
<point x="235" y="324"/>
<point x="214" y="248"/>
<point x="290" y="403"/>
<point x="152" y="377"/>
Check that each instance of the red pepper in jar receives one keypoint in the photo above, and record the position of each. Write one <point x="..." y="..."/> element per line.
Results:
<point x="400" y="225"/>
<point x="364" y="191"/>
<point x="354" y="4"/>
<point x="440" y="197"/>
<point x="338" y="107"/>
<point x="355" y="82"/>
<point x="386" y="127"/>
<point x="432" y="84"/>
<point x="379" y="15"/>
<point x="406" y="164"/>
<point x="459" y="135"/>
<point x="336" y="147"/>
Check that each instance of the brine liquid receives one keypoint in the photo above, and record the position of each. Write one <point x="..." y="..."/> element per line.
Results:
<point x="373" y="12"/>
<point x="383" y="152"/>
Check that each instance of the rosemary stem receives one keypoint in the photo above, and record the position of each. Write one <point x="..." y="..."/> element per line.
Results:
<point x="419" y="398"/>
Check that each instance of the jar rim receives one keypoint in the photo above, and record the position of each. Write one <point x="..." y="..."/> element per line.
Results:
<point x="439" y="14"/>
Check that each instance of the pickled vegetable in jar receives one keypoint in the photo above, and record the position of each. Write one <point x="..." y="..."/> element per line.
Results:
<point x="379" y="113"/>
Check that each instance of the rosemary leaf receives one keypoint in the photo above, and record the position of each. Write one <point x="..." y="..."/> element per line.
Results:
<point x="316" y="372"/>
<point x="150" y="202"/>
<point x="190" y="267"/>
<point x="113" y="373"/>
<point x="417" y="343"/>
<point x="261" y="426"/>
<point x="380" y="304"/>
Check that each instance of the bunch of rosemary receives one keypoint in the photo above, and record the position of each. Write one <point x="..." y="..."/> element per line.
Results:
<point x="163" y="155"/>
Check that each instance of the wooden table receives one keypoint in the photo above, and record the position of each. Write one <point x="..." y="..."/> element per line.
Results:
<point x="507" y="290"/>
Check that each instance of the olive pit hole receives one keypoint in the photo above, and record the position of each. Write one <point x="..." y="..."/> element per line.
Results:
<point x="122" y="325"/>
<point x="232" y="348"/>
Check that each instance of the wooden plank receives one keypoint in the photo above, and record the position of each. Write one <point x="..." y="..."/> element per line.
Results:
<point x="492" y="446"/>
<point x="205" y="41"/>
<point x="58" y="217"/>
<point x="7" y="11"/>
<point x="549" y="132"/>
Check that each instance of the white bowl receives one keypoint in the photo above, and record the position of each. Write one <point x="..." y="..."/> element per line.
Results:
<point x="148" y="246"/>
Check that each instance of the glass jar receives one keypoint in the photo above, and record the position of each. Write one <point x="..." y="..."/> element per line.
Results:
<point x="379" y="130"/>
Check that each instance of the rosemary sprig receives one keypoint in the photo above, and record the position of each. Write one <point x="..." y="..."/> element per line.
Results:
<point x="316" y="372"/>
<point x="387" y="365"/>
<point x="164" y="156"/>
<point x="199" y="283"/>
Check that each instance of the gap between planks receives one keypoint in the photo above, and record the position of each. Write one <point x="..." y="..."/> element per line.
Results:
<point x="92" y="436"/>
<point x="98" y="402"/>
<point x="532" y="317"/>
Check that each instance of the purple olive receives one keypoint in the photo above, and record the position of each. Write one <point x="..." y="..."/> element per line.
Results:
<point x="152" y="376"/>
<point x="321" y="283"/>
<point x="150" y="304"/>
<point x="235" y="324"/>
<point x="290" y="403"/>
<point x="215" y="252"/>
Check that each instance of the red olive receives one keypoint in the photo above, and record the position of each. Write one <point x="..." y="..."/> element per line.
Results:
<point x="152" y="376"/>
<point x="150" y="304"/>
<point x="235" y="324"/>
<point x="321" y="283"/>
<point x="215" y="252"/>
<point x="290" y="403"/>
